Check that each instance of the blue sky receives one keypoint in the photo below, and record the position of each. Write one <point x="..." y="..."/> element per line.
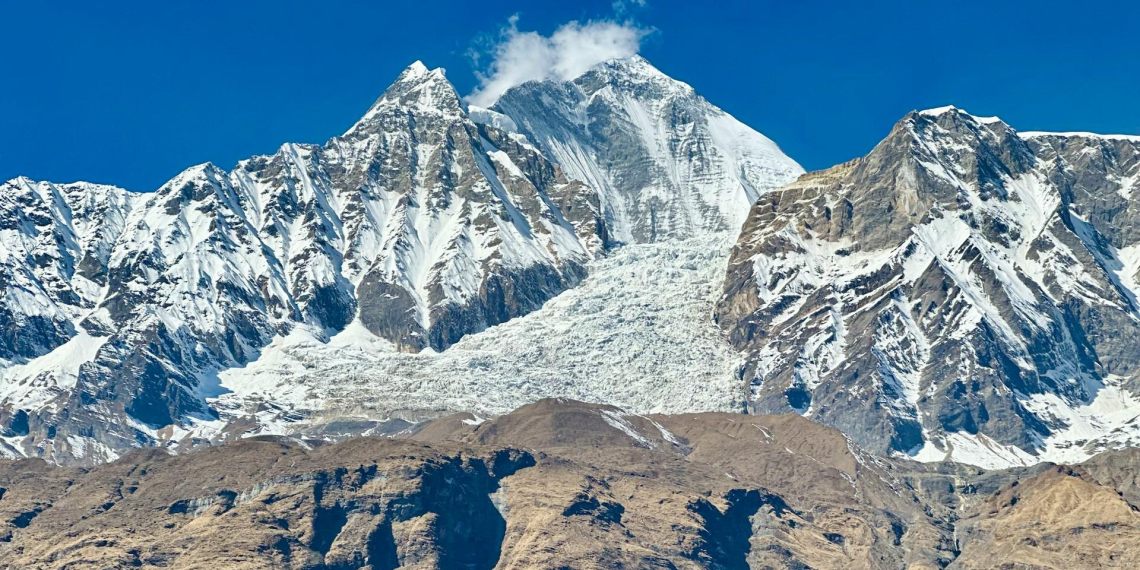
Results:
<point x="132" y="94"/>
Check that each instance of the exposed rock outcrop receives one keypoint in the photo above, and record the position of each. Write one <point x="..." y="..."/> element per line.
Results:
<point x="562" y="484"/>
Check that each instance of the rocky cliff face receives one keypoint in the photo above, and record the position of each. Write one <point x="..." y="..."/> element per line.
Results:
<point x="600" y="488"/>
<point x="266" y="504"/>
<point x="1062" y="518"/>
<point x="564" y="484"/>
<point x="962" y="291"/>
<point x="55" y="245"/>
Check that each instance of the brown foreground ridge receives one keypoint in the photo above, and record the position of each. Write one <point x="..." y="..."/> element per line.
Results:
<point x="564" y="484"/>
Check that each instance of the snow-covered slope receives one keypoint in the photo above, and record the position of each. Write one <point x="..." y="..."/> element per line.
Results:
<point x="636" y="332"/>
<point x="55" y="242"/>
<point x="962" y="291"/>
<point x="667" y="163"/>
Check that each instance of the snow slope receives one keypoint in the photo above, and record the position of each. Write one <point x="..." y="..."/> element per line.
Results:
<point x="636" y="333"/>
<point x="666" y="163"/>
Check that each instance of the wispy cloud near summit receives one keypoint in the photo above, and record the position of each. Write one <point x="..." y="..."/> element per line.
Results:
<point x="518" y="57"/>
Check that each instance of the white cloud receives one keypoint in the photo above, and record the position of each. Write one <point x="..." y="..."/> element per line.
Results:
<point x="621" y="7"/>
<point x="572" y="49"/>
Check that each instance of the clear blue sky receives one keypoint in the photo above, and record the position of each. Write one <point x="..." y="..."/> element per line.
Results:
<point x="132" y="94"/>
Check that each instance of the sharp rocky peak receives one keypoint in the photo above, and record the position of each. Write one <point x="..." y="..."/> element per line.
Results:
<point x="948" y="126"/>
<point x="634" y="66"/>
<point x="632" y="74"/>
<point x="203" y="171"/>
<point x="668" y="164"/>
<point x="950" y="115"/>
<point x="416" y="90"/>
<point x="952" y="111"/>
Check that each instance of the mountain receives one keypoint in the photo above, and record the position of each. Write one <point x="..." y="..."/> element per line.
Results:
<point x="964" y="291"/>
<point x="376" y="281"/>
<point x="1019" y="526"/>
<point x="56" y="243"/>
<point x="418" y="224"/>
<point x="666" y="163"/>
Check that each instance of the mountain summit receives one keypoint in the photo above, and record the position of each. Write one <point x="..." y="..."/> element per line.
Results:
<point x="417" y="223"/>
<point x="666" y="163"/>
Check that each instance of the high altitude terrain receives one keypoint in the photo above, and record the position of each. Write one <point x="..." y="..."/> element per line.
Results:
<point x="962" y="291"/>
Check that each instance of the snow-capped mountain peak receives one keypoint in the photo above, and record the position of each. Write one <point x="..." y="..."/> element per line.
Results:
<point x="666" y="162"/>
<point x="634" y="69"/>
<point x="417" y="90"/>
<point x="951" y="109"/>
<point x="419" y="224"/>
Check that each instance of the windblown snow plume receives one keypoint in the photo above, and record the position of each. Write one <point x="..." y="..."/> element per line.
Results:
<point x="569" y="52"/>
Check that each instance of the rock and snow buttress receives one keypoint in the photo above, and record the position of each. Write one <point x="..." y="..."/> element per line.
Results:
<point x="962" y="292"/>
